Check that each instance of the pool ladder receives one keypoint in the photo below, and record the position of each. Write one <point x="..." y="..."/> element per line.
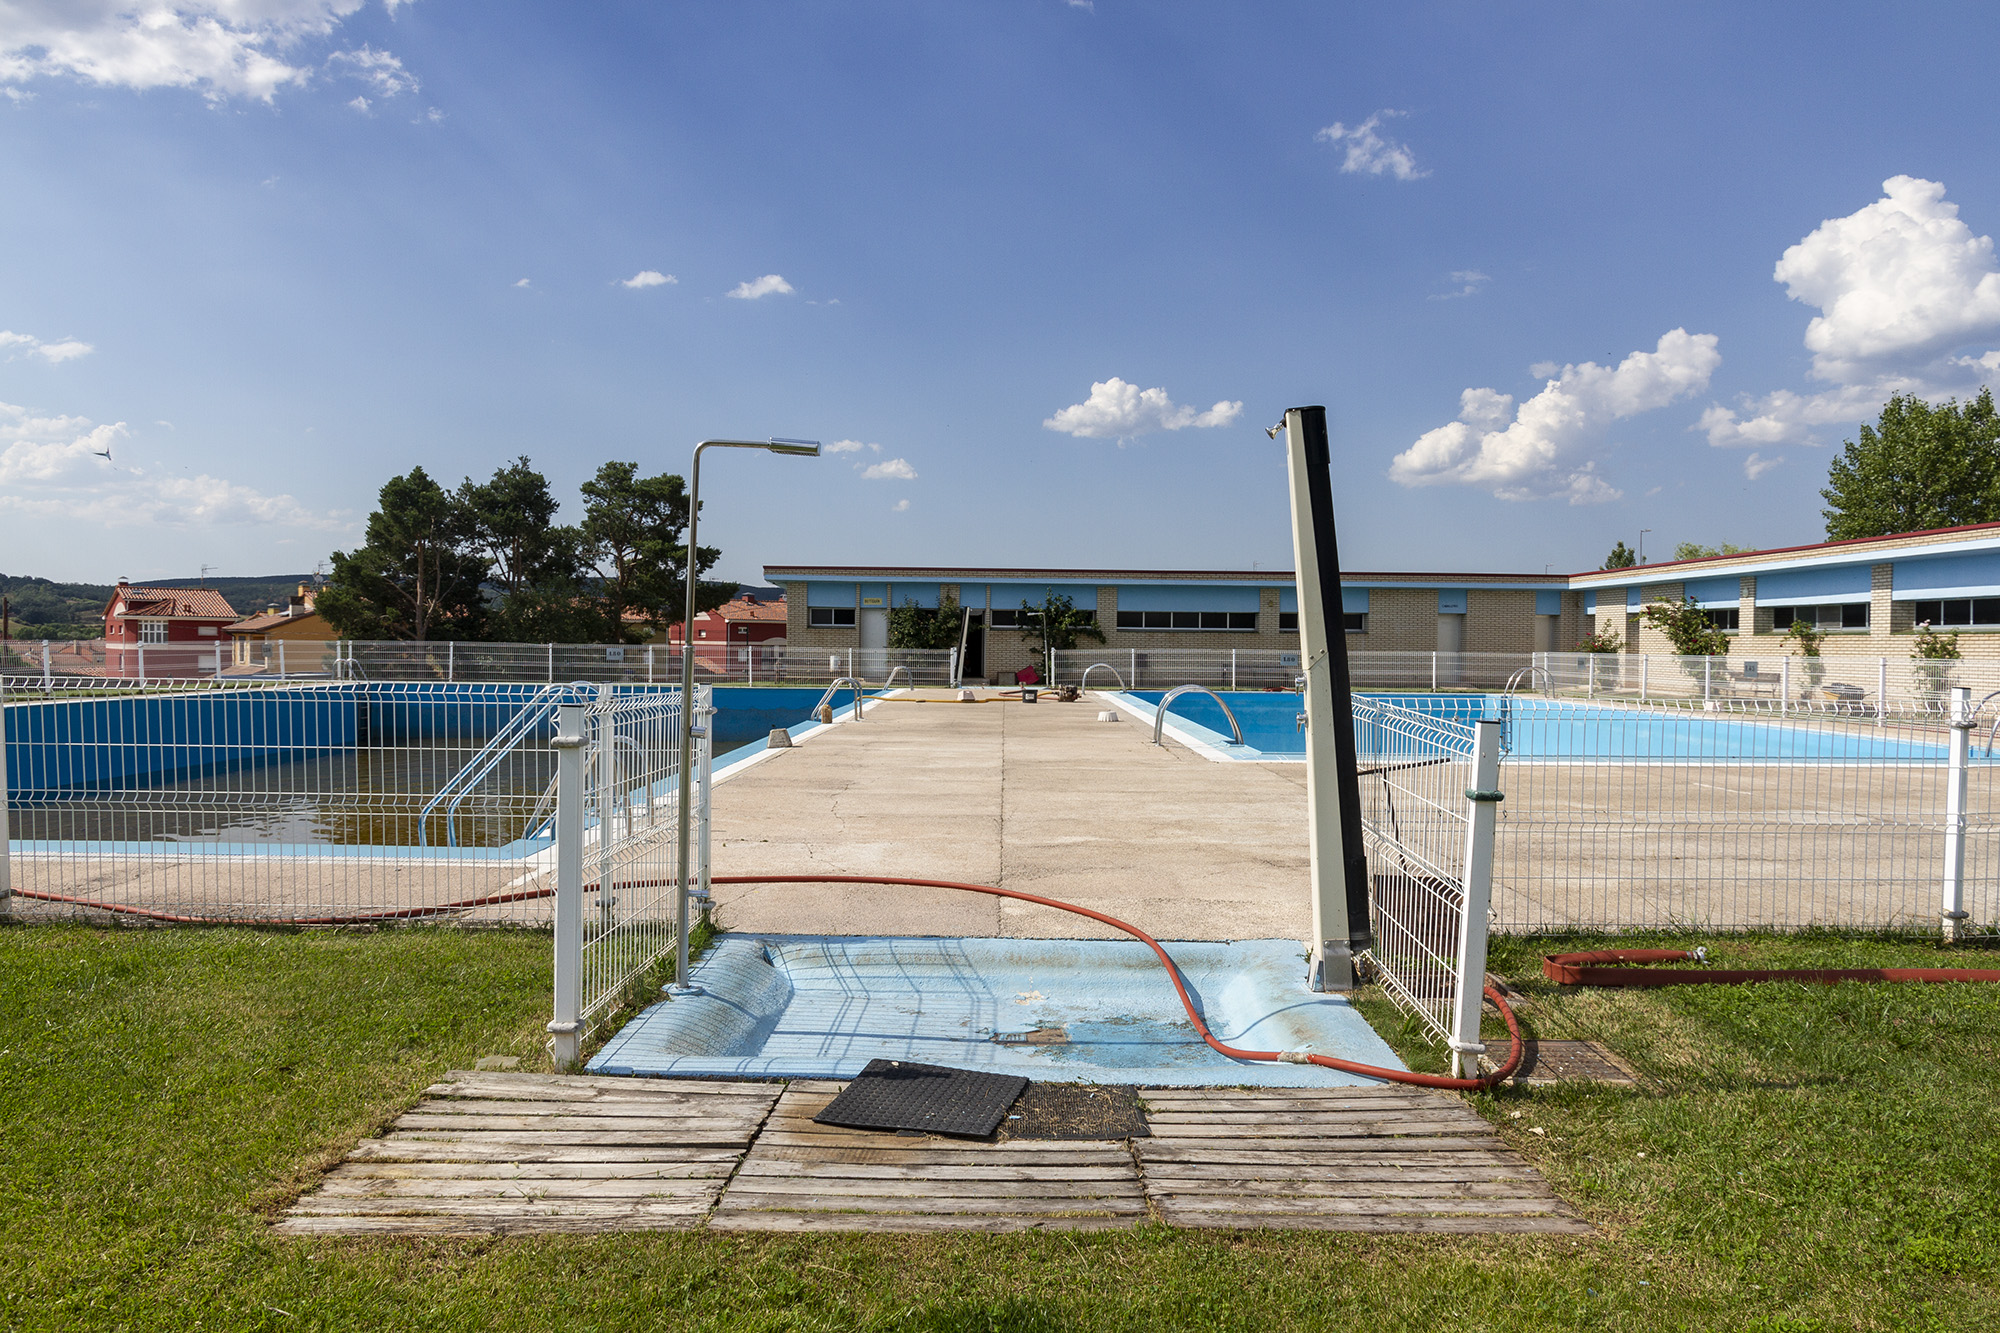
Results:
<point x="1160" y="714"/>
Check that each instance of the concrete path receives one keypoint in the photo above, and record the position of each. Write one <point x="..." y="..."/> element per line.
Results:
<point x="1040" y="797"/>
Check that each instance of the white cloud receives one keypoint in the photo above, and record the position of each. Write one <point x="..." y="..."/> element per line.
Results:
<point x="225" y="48"/>
<point x="50" y="467"/>
<point x="1899" y="284"/>
<point x="1118" y="410"/>
<point x="1905" y="291"/>
<point x="900" y="507"/>
<point x="378" y="69"/>
<point x="1756" y="465"/>
<point x="66" y="349"/>
<point x="768" y="285"/>
<point x="889" y="469"/>
<point x="1539" y="451"/>
<point x="359" y="103"/>
<point x="1371" y="153"/>
<point x="1469" y="280"/>
<point x="524" y="283"/>
<point x="851" y="447"/>
<point x="16" y="96"/>
<point x="650" y="277"/>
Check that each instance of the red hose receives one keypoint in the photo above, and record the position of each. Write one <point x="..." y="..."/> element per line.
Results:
<point x="1174" y="972"/>
<point x="1607" y="967"/>
<point x="357" y="919"/>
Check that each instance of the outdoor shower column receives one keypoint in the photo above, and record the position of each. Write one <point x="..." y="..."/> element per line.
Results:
<point x="1333" y="793"/>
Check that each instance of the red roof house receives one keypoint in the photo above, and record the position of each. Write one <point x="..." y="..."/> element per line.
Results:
<point x="732" y="632"/>
<point x="181" y="630"/>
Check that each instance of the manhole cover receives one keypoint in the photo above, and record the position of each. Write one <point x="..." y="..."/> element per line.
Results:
<point x="901" y="1094"/>
<point x="1545" y="1062"/>
<point x="1076" y="1111"/>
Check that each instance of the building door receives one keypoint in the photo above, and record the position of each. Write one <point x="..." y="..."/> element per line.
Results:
<point x="975" y="648"/>
<point x="1546" y="630"/>
<point x="1451" y="648"/>
<point x="874" y="627"/>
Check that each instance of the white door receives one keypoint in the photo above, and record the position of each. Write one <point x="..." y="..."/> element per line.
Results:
<point x="874" y="627"/>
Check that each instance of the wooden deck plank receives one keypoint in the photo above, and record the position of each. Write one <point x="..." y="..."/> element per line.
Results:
<point x="598" y="1170"/>
<point x="726" y="1219"/>
<point x="509" y="1151"/>
<point x="742" y="1188"/>
<point x="1456" y="1226"/>
<point x="934" y="1204"/>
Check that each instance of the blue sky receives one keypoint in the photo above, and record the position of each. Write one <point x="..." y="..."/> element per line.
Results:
<point x="1559" y="273"/>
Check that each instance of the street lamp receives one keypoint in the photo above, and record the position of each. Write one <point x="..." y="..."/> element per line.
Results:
<point x="805" y="449"/>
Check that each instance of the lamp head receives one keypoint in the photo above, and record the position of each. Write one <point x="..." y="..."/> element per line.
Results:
<point x="804" y="448"/>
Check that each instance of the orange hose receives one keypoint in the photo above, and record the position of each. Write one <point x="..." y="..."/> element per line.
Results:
<point x="1233" y="1052"/>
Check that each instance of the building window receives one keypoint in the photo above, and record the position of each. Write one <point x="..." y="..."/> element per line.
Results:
<point x="1288" y="622"/>
<point x="1959" y="611"/>
<point x="1004" y="618"/>
<point x="1354" y="622"/>
<point x="1189" y="620"/>
<point x="1836" y="615"/>
<point x="1723" y="618"/>
<point x="152" y="631"/>
<point x="827" y="617"/>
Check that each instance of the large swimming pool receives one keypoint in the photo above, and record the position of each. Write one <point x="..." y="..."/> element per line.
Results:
<point x="1549" y="729"/>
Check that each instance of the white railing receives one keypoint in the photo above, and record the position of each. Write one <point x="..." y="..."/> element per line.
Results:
<point x="549" y="663"/>
<point x="1881" y="688"/>
<point x="617" y="838"/>
<point x="1278" y="668"/>
<point x="1429" y="786"/>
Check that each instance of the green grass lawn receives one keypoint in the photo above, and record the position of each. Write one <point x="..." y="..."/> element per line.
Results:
<point x="1799" y="1158"/>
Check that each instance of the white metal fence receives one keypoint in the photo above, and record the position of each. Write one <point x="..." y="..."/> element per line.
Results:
<point x="45" y="663"/>
<point x="307" y="802"/>
<point x="1429" y="786"/>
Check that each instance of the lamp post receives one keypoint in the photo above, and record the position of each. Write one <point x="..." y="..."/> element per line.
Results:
<point x="804" y="448"/>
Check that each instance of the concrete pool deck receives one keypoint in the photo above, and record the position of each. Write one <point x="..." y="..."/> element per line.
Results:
<point x="1042" y="798"/>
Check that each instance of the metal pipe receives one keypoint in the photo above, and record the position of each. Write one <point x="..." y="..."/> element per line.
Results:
<point x="1084" y="683"/>
<point x="566" y="1027"/>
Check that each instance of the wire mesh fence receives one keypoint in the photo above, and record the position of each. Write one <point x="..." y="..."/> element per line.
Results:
<point x="1414" y="770"/>
<point x="47" y="664"/>
<point x="1881" y="688"/>
<point x="327" y="802"/>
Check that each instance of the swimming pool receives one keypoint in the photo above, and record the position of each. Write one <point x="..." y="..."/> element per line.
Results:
<point x="1561" y="729"/>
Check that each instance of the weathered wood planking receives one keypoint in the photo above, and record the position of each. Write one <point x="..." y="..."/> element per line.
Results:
<point x="488" y="1153"/>
<point x="1396" y="1160"/>
<point x="800" y="1176"/>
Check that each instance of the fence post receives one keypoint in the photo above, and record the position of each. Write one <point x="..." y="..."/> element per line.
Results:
<point x="1232" y="670"/>
<point x="1645" y="673"/>
<point x="705" y="775"/>
<point x="552" y="664"/>
<point x="1482" y="798"/>
<point x="566" y="1028"/>
<point x="951" y="670"/>
<point x="1784" y="686"/>
<point x="1881" y="691"/>
<point x="451" y="660"/>
<point x="46" y="674"/>
<point x="281" y="659"/>
<point x="6" y="845"/>
<point x="1953" y="910"/>
<point x="1134" y="672"/>
<point x="1707" y="678"/>
<point x="1590" y="665"/>
<point x="1434" y="673"/>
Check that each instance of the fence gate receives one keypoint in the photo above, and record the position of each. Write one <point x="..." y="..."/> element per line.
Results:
<point x="617" y="838"/>
<point x="1428" y="790"/>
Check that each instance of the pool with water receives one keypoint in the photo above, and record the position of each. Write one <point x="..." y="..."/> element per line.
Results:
<point x="1556" y="729"/>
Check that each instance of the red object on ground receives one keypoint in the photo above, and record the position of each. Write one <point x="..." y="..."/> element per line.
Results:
<point x="1027" y="676"/>
<point x="1608" y="967"/>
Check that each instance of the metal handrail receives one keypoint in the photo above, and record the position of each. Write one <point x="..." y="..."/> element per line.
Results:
<point x="903" y="667"/>
<point x="834" y="689"/>
<point x="485" y="761"/>
<point x="1160" y="716"/>
<point x="1514" y="681"/>
<point x="1084" y="682"/>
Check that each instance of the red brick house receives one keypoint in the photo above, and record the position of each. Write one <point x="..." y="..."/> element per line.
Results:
<point x="730" y="632"/>
<point x="182" y="630"/>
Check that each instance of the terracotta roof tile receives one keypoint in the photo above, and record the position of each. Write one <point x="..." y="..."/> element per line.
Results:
<point x="171" y="603"/>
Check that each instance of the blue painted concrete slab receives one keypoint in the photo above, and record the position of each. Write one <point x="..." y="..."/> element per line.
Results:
<point x="817" y="1006"/>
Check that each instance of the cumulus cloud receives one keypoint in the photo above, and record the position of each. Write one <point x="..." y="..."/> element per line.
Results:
<point x="851" y="447"/>
<point x="1906" y="294"/>
<point x="889" y="469"/>
<point x="50" y="466"/>
<point x="768" y="285"/>
<point x="1756" y="465"/>
<point x="1369" y="151"/>
<point x="901" y="506"/>
<point x="1540" y="450"/>
<point x="225" y="48"/>
<point x="1118" y="410"/>
<point x="26" y="344"/>
<point x="650" y="277"/>
<point x="523" y="282"/>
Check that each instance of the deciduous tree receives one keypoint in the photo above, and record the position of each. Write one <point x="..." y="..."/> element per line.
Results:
<point x="1918" y="467"/>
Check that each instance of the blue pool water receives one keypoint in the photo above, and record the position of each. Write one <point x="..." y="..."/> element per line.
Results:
<point x="1551" y="729"/>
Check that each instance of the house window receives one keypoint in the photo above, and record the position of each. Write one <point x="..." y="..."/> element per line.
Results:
<point x="1959" y="611"/>
<point x="152" y="631"/>
<point x="822" y="617"/>
<point x="1016" y="619"/>
<point x="1723" y="617"/>
<point x="1837" y="615"/>
<point x="1189" y="620"/>
<point x="1354" y="622"/>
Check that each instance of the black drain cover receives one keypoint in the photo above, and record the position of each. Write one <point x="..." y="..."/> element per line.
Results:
<point x="899" y="1094"/>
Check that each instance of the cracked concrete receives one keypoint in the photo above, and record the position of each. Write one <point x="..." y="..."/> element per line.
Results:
<point x="1042" y="798"/>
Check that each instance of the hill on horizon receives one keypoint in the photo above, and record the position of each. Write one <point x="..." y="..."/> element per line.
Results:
<point x="51" y="609"/>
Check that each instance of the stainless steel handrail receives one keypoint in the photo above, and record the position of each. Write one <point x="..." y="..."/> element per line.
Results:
<point x="1514" y="681"/>
<point x="1160" y="716"/>
<point x="903" y="667"/>
<point x="834" y="689"/>
<point x="1084" y="683"/>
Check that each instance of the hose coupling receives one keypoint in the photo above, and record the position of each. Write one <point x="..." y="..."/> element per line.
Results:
<point x="1298" y="1057"/>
